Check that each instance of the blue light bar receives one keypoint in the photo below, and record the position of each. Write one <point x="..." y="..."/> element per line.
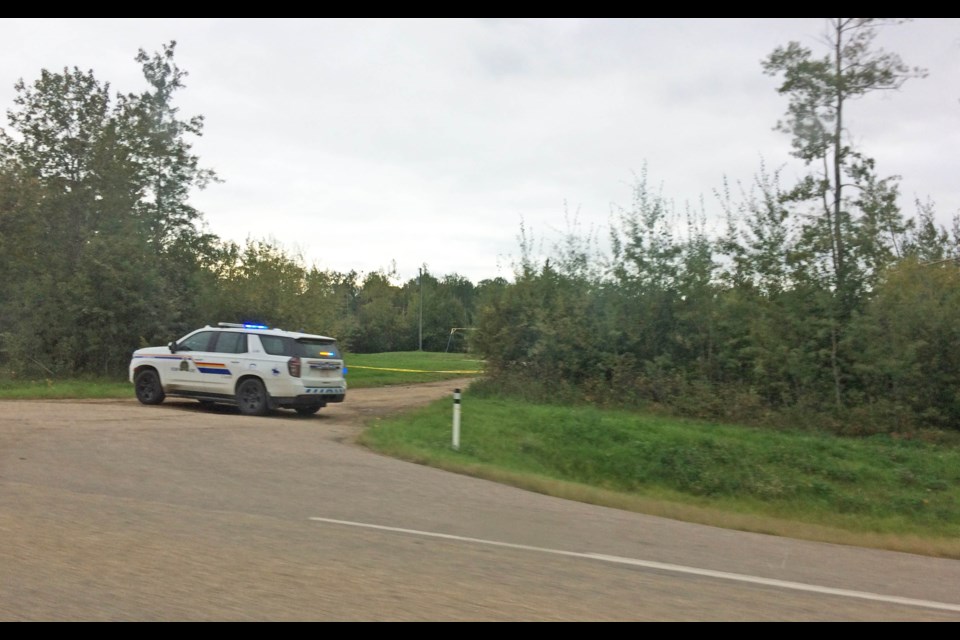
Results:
<point x="254" y="326"/>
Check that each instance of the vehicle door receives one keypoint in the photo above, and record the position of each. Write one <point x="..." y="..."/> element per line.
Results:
<point x="192" y="349"/>
<point x="220" y="367"/>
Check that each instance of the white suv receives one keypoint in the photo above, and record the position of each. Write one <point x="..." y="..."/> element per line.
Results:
<point x="252" y="367"/>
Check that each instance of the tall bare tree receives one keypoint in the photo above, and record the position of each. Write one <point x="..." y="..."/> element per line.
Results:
<point x="855" y="213"/>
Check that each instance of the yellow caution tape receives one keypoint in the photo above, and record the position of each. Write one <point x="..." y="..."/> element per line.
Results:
<point x="356" y="366"/>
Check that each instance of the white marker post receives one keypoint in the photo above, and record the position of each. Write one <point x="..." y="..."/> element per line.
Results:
<point x="456" y="419"/>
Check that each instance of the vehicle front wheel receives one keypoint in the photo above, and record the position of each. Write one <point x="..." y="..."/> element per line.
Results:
<point x="148" y="388"/>
<point x="308" y="411"/>
<point x="252" y="398"/>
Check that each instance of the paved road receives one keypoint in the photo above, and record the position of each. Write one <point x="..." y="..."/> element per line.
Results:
<point x="112" y="511"/>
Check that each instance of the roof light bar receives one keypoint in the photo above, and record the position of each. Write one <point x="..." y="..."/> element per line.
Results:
<point x="245" y="325"/>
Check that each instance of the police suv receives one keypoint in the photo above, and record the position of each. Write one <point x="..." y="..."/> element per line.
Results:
<point x="252" y="367"/>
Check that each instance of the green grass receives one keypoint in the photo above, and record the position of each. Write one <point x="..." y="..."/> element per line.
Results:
<point x="54" y="389"/>
<point x="407" y="367"/>
<point x="882" y="491"/>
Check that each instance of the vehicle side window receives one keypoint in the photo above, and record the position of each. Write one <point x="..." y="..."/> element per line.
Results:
<point x="231" y="342"/>
<point x="276" y="345"/>
<point x="197" y="342"/>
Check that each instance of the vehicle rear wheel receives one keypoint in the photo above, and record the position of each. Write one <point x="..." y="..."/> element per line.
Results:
<point x="308" y="411"/>
<point x="148" y="388"/>
<point x="252" y="398"/>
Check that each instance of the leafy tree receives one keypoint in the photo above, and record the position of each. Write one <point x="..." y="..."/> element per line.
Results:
<point x="909" y="336"/>
<point x="382" y="316"/>
<point x="168" y="171"/>
<point x="929" y="242"/>
<point x="447" y="303"/>
<point x="72" y="166"/>
<point x="819" y="90"/>
<point x="645" y="266"/>
<point x="159" y="140"/>
<point x="759" y="237"/>
<point x="329" y="300"/>
<point x="258" y="282"/>
<point x="65" y="139"/>
<point x="847" y="237"/>
<point x="769" y="324"/>
<point x="94" y="195"/>
<point x="696" y="312"/>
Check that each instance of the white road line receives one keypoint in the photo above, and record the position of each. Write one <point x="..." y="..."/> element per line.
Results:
<point x="676" y="568"/>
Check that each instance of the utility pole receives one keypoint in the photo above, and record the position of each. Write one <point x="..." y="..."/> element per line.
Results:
<point x="420" y="343"/>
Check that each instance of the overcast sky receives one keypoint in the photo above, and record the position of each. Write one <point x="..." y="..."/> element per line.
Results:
<point x="381" y="144"/>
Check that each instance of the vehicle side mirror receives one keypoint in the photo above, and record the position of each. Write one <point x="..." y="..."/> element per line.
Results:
<point x="173" y="347"/>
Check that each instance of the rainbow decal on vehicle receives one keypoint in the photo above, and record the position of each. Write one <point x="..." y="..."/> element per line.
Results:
<point x="217" y="368"/>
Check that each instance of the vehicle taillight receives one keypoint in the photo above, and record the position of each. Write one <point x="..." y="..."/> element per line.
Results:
<point x="293" y="366"/>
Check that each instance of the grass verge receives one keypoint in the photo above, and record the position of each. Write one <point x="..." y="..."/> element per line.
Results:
<point x="879" y="492"/>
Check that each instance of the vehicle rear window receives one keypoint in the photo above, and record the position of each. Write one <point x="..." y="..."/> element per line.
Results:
<point x="314" y="348"/>
<point x="304" y="347"/>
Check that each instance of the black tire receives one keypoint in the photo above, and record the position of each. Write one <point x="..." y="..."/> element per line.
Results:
<point x="252" y="398"/>
<point x="148" y="388"/>
<point x="308" y="411"/>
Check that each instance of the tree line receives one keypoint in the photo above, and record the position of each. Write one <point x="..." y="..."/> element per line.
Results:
<point x="820" y="303"/>
<point x="101" y="251"/>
